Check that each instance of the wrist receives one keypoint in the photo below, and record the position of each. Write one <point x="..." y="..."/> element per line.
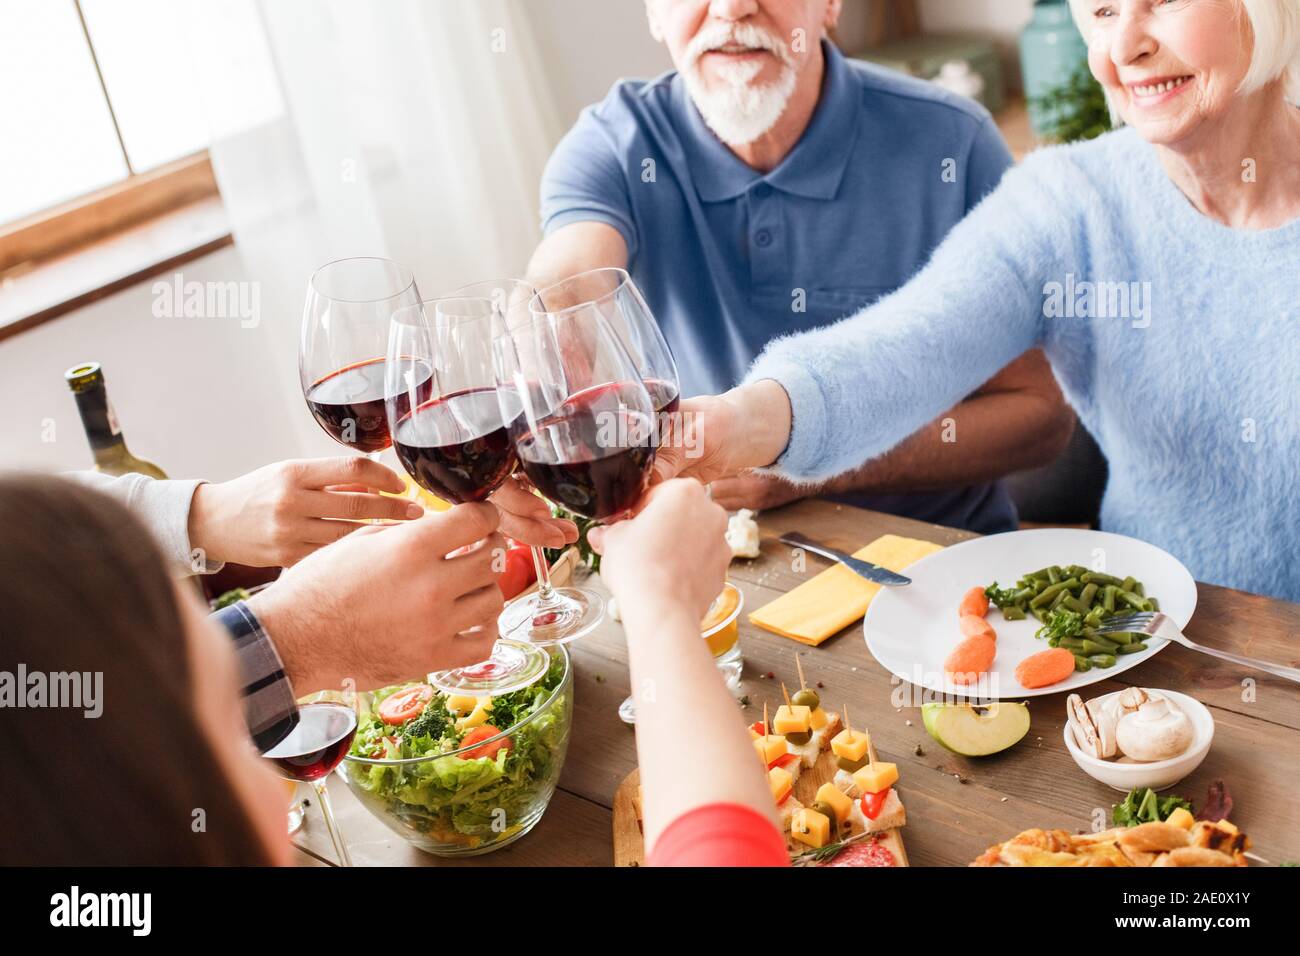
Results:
<point x="203" y="522"/>
<point x="761" y="412"/>
<point x="284" y="629"/>
<point x="655" y="611"/>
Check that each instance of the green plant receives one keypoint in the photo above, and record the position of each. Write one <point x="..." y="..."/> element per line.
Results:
<point x="1074" y="111"/>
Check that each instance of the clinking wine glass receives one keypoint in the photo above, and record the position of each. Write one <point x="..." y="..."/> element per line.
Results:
<point x="315" y="746"/>
<point x="449" y="434"/>
<point x="584" y="436"/>
<point x="611" y="293"/>
<point x="342" y="348"/>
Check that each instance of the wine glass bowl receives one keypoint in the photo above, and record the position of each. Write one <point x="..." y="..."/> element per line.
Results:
<point x="448" y="435"/>
<point x="586" y="432"/>
<point x="316" y="745"/>
<point x="612" y="294"/>
<point x="341" y="355"/>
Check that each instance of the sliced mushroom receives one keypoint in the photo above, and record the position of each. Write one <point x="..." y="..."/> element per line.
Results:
<point x="1081" y="725"/>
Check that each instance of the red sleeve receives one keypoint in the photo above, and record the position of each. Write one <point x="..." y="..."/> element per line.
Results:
<point x="720" y="834"/>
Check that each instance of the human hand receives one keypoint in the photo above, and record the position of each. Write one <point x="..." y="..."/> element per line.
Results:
<point x="715" y="436"/>
<point x="387" y="604"/>
<point x="755" y="491"/>
<point x="277" y="515"/>
<point x="527" y="517"/>
<point x="675" y="549"/>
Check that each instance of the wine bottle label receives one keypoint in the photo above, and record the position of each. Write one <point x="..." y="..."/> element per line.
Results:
<point x="100" y="421"/>
<point x="113" y="427"/>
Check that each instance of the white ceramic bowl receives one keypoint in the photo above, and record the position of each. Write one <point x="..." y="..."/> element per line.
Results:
<point x="1160" y="774"/>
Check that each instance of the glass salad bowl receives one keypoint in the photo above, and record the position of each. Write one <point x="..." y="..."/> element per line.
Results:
<point x="441" y="772"/>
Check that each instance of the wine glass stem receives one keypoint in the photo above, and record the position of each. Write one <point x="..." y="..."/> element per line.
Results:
<point x="545" y="593"/>
<point x="327" y="811"/>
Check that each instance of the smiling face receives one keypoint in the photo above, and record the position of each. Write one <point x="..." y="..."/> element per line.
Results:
<point x="742" y="60"/>
<point x="1169" y="66"/>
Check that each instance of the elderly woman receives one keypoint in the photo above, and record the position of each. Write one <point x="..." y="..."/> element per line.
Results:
<point x="1157" y="266"/>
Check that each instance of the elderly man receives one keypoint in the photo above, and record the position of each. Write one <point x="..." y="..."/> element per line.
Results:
<point x="771" y="186"/>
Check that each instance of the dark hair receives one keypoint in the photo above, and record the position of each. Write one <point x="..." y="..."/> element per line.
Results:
<point x="83" y="588"/>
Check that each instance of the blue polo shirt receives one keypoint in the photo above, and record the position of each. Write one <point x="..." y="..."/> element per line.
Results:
<point x="730" y="258"/>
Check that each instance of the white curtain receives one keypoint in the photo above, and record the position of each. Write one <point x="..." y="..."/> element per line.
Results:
<point x="412" y="129"/>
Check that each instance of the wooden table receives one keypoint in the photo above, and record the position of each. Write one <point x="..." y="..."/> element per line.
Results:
<point x="956" y="806"/>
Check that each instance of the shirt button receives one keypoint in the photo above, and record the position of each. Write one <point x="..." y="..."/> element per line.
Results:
<point x="762" y="191"/>
<point x="762" y="238"/>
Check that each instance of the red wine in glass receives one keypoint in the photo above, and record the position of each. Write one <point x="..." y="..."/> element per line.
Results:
<point x="663" y="395"/>
<point x="349" y="404"/>
<point x="457" y="446"/>
<point x="593" y="454"/>
<point x="317" y="744"/>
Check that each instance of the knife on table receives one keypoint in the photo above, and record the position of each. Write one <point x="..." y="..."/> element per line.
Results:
<point x="872" y="572"/>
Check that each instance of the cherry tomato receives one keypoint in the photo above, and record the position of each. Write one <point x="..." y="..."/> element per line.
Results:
<point x="405" y="704"/>
<point x="483" y="732"/>
<point x="873" y="802"/>
<point x="519" y="572"/>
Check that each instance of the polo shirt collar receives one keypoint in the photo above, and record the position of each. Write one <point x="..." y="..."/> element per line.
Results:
<point x="813" y="169"/>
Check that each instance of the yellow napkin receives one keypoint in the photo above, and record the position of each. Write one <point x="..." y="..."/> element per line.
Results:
<point x="837" y="597"/>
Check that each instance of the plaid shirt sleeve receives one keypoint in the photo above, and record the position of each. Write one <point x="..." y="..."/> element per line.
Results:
<point x="269" y="707"/>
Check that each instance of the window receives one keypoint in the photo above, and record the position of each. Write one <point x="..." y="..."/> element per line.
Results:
<point x="104" y="96"/>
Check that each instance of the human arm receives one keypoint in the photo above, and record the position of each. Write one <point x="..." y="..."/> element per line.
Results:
<point x="387" y="604"/>
<point x="1017" y="420"/>
<point x="819" y="404"/>
<point x="270" y="710"/>
<point x="587" y="217"/>
<point x="163" y="506"/>
<point x="686" y="715"/>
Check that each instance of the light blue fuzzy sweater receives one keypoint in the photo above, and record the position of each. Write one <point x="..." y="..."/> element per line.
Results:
<point x="1193" y="391"/>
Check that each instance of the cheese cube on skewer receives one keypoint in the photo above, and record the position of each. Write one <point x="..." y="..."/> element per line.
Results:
<point x="792" y="719"/>
<point x="781" y="782"/>
<point x="770" y="747"/>
<point x="810" y="828"/>
<point x="850" y="744"/>
<point x="836" y="799"/>
<point x="875" y="777"/>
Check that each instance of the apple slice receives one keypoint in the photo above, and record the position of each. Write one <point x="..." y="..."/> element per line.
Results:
<point x="976" y="731"/>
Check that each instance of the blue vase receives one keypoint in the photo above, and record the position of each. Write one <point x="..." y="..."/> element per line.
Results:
<point x="1051" y="51"/>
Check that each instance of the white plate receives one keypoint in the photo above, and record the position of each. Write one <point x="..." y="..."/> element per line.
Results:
<point x="912" y="629"/>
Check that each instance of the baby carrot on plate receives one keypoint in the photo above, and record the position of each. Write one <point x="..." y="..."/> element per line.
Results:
<point x="972" y="625"/>
<point x="1045" y="668"/>
<point x="975" y="602"/>
<point x="972" y="657"/>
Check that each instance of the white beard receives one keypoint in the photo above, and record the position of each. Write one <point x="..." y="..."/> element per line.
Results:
<point x="740" y="113"/>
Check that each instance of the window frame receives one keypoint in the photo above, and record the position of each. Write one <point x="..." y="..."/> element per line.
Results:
<point x="79" y="222"/>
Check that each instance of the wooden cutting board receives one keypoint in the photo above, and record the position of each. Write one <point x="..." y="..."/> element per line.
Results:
<point x="629" y="841"/>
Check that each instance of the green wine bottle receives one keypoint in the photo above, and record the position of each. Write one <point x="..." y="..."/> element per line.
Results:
<point x="112" y="457"/>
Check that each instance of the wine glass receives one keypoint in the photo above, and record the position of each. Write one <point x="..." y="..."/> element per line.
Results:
<point x="315" y="746"/>
<point x="342" y="349"/>
<point x="612" y="293"/>
<point x="615" y="296"/>
<point x="583" y="428"/>
<point x="449" y="434"/>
